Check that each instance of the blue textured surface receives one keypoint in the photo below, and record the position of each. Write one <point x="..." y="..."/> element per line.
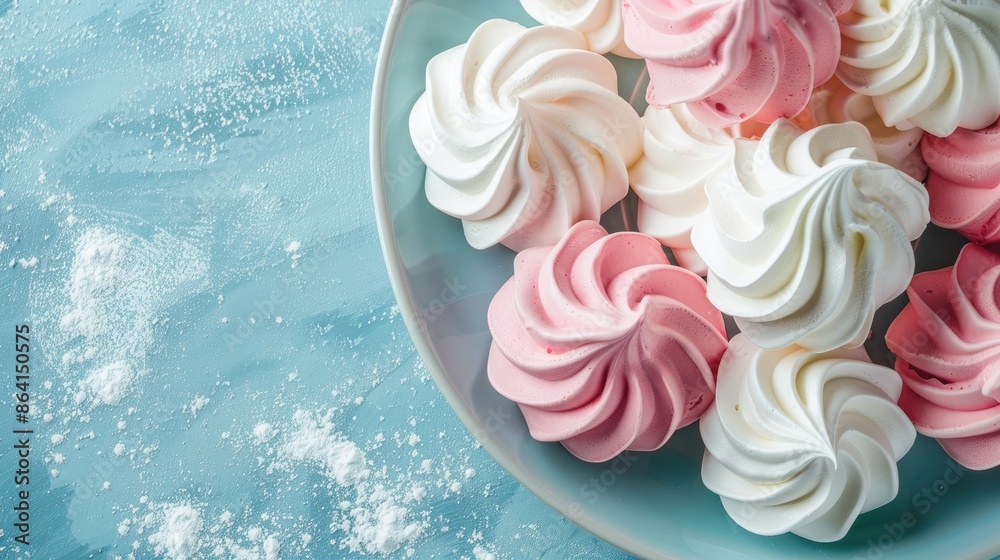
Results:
<point x="213" y="156"/>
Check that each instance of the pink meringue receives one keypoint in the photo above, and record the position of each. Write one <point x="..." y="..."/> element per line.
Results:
<point x="947" y="343"/>
<point x="964" y="182"/>
<point x="604" y="345"/>
<point x="734" y="60"/>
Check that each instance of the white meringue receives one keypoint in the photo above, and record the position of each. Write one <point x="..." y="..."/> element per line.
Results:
<point x="934" y="64"/>
<point x="803" y="442"/>
<point x="524" y="134"/>
<point x="834" y="102"/>
<point x="807" y="234"/>
<point x="599" y="20"/>
<point x="680" y="155"/>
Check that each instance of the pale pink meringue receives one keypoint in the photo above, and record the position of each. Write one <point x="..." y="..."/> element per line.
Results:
<point x="733" y="60"/>
<point x="947" y="343"/>
<point x="604" y="344"/>
<point x="964" y="182"/>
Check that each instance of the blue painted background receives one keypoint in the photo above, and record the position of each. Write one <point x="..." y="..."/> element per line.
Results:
<point x="221" y="147"/>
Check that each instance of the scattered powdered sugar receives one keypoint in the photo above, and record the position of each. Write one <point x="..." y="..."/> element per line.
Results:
<point x="294" y="250"/>
<point x="375" y="522"/>
<point x="94" y="275"/>
<point x="264" y="432"/>
<point x="28" y="263"/>
<point x="106" y="385"/>
<point x="199" y="402"/>
<point x="315" y="440"/>
<point x="118" y="298"/>
<point x="481" y="553"/>
<point x="272" y="548"/>
<point x="96" y="311"/>
<point x="178" y="531"/>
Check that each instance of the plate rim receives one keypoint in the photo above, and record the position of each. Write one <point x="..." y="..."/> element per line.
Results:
<point x="403" y="296"/>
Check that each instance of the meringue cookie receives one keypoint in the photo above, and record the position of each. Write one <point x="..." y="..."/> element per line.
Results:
<point x="836" y="103"/>
<point x="808" y="234"/>
<point x="599" y="20"/>
<point x="524" y="134"/>
<point x="734" y="60"/>
<point x="803" y="442"/>
<point x="964" y="182"/>
<point x="604" y="344"/>
<point x="947" y="343"/>
<point x="680" y="155"/>
<point x="930" y="64"/>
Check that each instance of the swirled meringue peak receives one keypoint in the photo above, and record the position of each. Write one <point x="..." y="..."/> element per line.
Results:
<point x="734" y="60"/>
<point x="964" y="181"/>
<point x="599" y="20"/>
<point x="807" y="234"/>
<point x="803" y="442"/>
<point x="835" y="103"/>
<point x="604" y="344"/>
<point x="680" y="155"/>
<point x="524" y="134"/>
<point x="947" y="346"/>
<point x="933" y="64"/>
